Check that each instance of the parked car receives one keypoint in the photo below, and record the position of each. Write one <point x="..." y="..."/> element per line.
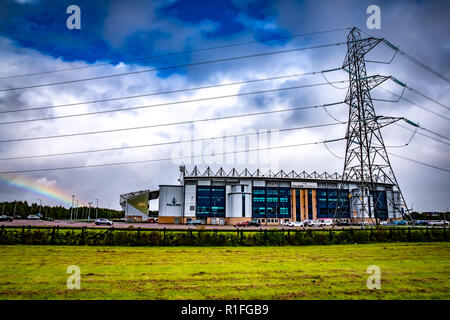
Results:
<point x="315" y="223"/>
<point x="401" y="222"/>
<point x="103" y="221"/>
<point x="420" y="222"/>
<point x="17" y="217"/>
<point x="326" y="222"/>
<point x="152" y="220"/>
<point x="33" y="217"/>
<point x="436" y="222"/>
<point x="308" y="223"/>
<point x="241" y="224"/>
<point x="48" y="219"/>
<point x="297" y="224"/>
<point x="254" y="223"/>
<point x="342" y="223"/>
<point x="6" y="218"/>
<point x="193" y="222"/>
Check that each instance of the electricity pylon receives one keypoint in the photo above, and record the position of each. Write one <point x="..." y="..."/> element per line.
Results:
<point x="366" y="159"/>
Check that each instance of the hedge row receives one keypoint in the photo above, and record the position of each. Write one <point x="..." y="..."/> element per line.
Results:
<point x="189" y="237"/>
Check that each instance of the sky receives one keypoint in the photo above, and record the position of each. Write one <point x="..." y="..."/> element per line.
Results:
<point x="115" y="35"/>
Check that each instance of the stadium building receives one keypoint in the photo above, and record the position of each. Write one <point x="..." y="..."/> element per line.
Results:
<point x="229" y="197"/>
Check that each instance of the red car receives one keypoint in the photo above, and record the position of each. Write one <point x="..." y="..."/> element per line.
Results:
<point x="241" y="224"/>
<point x="152" y="220"/>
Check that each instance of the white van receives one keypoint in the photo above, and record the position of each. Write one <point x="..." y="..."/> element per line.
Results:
<point x="326" y="222"/>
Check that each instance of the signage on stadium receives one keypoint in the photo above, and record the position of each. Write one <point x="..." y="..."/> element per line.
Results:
<point x="304" y="185"/>
<point x="174" y="203"/>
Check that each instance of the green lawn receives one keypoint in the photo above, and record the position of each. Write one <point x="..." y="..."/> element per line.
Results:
<point x="408" y="271"/>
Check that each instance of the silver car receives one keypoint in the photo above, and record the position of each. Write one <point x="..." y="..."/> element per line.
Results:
<point x="104" y="221"/>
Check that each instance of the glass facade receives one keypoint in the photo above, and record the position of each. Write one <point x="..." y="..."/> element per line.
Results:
<point x="380" y="203"/>
<point x="210" y="201"/>
<point x="327" y="202"/>
<point x="259" y="202"/>
<point x="271" y="202"/>
<point x="275" y="202"/>
<point x="298" y="201"/>
<point x="297" y="204"/>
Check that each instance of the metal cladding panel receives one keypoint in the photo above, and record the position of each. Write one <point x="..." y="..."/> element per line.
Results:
<point x="391" y="210"/>
<point x="248" y="205"/>
<point x="170" y="201"/>
<point x="132" y="211"/>
<point x="246" y="182"/>
<point x="235" y="201"/>
<point x="161" y="207"/>
<point x="190" y="195"/>
<point x="228" y="208"/>
<point x="204" y="182"/>
<point x="272" y="183"/>
<point x="259" y="183"/>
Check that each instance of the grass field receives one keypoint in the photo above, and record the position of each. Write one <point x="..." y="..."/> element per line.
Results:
<point x="408" y="271"/>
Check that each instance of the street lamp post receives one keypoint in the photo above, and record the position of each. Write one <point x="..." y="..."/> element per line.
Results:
<point x="76" y="212"/>
<point x="96" y="210"/>
<point x="40" y="204"/>
<point x="71" y="208"/>
<point x="89" y="211"/>
<point x="15" y="204"/>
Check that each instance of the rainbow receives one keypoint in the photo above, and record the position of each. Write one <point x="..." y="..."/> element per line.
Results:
<point x="39" y="187"/>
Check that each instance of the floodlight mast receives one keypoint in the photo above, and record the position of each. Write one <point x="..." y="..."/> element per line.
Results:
<point x="366" y="160"/>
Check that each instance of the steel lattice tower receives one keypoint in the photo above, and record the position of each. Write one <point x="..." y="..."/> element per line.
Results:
<point x="366" y="159"/>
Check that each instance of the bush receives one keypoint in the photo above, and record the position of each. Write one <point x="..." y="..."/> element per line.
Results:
<point x="206" y="237"/>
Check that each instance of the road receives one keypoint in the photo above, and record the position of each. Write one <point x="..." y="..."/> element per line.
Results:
<point x="67" y="223"/>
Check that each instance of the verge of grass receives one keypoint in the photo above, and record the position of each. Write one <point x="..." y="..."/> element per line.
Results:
<point x="408" y="271"/>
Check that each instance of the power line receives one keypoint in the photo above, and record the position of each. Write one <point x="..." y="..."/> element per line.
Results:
<point x="196" y="156"/>
<point x="169" y="124"/>
<point x="404" y="85"/>
<point x="171" y="91"/>
<point x="435" y="133"/>
<point x="410" y="58"/>
<point x="415" y="104"/>
<point x="422" y="134"/>
<point x="420" y="64"/>
<point x="175" y="66"/>
<point x="166" y="143"/>
<point x="170" y="103"/>
<point x="427" y="97"/>
<point x="179" y="53"/>
<point x="415" y="61"/>
<point x="169" y="159"/>
<point x="414" y="131"/>
<point x="419" y="162"/>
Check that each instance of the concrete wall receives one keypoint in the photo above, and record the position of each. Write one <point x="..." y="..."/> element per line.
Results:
<point x="170" y="201"/>
<point x="190" y="196"/>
